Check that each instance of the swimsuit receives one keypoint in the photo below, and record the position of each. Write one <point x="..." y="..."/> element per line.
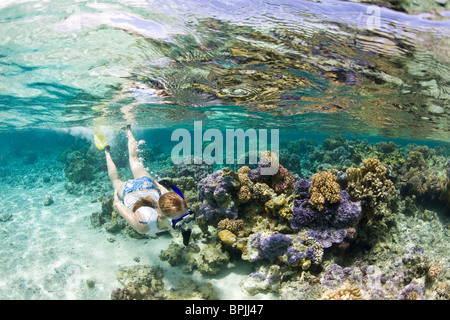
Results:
<point x="141" y="188"/>
<point x="144" y="186"/>
<point x="151" y="218"/>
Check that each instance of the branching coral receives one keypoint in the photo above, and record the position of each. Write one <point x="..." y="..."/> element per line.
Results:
<point x="369" y="182"/>
<point x="324" y="190"/>
<point x="347" y="292"/>
<point x="232" y="225"/>
<point x="434" y="271"/>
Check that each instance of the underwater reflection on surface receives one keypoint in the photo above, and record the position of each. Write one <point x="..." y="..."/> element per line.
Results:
<point x="322" y="67"/>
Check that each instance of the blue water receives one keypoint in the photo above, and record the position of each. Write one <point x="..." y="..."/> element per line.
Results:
<point x="367" y="74"/>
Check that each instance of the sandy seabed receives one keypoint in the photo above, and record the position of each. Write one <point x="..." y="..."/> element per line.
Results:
<point x="53" y="252"/>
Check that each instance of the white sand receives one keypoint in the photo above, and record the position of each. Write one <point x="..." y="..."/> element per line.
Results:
<point x="48" y="252"/>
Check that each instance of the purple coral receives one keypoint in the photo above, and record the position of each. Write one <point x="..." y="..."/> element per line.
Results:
<point x="294" y="256"/>
<point x="328" y="237"/>
<point x="412" y="291"/>
<point x="256" y="176"/>
<point x="340" y="215"/>
<point x="215" y="214"/>
<point x="271" y="246"/>
<point x="214" y="185"/>
<point x="326" y="226"/>
<point x="302" y="188"/>
<point x="213" y="191"/>
<point x="303" y="215"/>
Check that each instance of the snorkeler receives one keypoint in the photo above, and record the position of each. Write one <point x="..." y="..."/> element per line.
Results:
<point x="148" y="206"/>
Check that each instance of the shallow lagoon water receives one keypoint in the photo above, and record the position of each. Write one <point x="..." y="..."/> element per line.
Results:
<point x="339" y="80"/>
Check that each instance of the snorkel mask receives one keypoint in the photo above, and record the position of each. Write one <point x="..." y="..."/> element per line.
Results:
<point x="186" y="221"/>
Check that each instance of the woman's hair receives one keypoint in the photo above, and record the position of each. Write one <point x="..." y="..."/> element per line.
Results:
<point x="145" y="202"/>
<point x="171" y="203"/>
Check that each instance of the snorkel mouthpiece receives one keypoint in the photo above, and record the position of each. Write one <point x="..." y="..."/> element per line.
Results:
<point x="184" y="224"/>
<point x="186" y="236"/>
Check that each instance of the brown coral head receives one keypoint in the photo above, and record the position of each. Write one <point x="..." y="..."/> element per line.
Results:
<point x="324" y="190"/>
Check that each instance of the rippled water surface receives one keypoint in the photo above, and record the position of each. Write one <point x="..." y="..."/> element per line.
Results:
<point x="359" y="91"/>
<point x="304" y="66"/>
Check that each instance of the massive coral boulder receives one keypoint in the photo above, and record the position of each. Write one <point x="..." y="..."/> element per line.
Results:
<point x="146" y="283"/>
<point x="329" y="225"/>
<point x="207" y="259"/>
<point x="294" y="250"/>
<point x="216" y="194"/>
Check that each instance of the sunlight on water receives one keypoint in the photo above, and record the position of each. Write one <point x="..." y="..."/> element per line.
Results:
<point x="302" y="65"/>
<point x="350" y="97"/>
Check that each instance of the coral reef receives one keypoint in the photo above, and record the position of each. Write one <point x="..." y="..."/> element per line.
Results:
<point x="434" y="271"/>
<point x="146" y="283"/>
<point x="81" y="162"/>
<point x="227" y="237"/>
<point x="225" y="195"/>
<point x="207" y="260"/>
<point x="215" y="191"/>
<point x="423" y="176"/>
<point x="265" y="279"/>
<point x="281" y="206"/>
<point x="270" y="246"/>
<point x="329" y="225"/>
<point x="412" y="291"/>
<point x="297" y="250"/>
<point x="77" y="168"/>
<point x="361" y="205"/>
<point x="282" y="181"/>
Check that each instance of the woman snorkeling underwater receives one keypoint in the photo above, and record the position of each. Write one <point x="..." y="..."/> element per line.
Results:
<point x="148" y="206"/>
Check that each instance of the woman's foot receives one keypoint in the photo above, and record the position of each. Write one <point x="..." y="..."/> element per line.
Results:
<point x="128" y="130"/>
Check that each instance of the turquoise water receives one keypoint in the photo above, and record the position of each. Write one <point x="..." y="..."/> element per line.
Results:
<point x="338" y="80"/>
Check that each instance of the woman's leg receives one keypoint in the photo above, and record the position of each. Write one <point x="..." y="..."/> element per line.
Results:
<point x="113" y="174"/>
<point x="135" y="165"/>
